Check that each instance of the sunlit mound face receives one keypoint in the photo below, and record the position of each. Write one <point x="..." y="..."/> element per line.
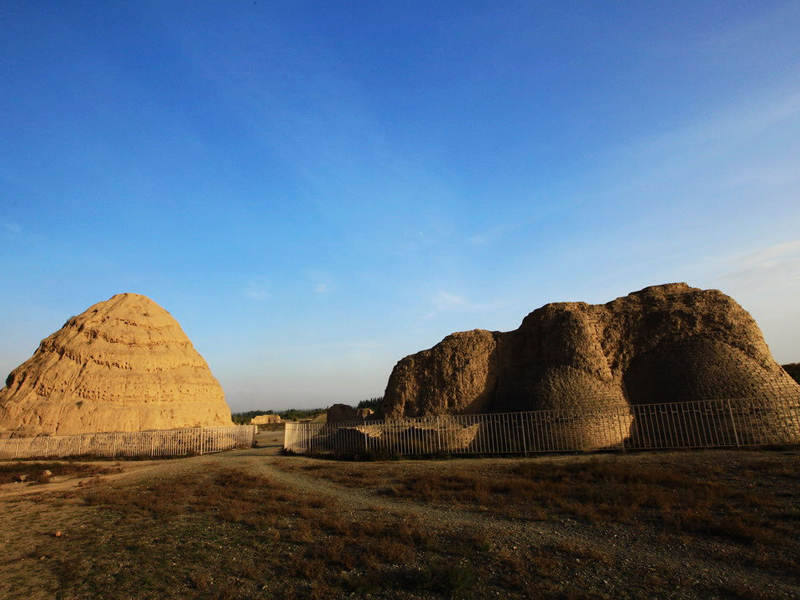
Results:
<point x="122" y="365"/>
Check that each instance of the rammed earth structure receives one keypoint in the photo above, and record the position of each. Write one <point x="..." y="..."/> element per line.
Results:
<point x="666" y="343"/>
<point x="122" y="365"/>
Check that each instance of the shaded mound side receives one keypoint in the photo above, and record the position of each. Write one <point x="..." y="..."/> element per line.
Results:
<point x="668" y="343"/>
<point x="457" y="376"/>
<point x="122" y="365"/>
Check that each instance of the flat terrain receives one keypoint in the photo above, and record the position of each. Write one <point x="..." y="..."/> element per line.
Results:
<point x="255" y="524"/>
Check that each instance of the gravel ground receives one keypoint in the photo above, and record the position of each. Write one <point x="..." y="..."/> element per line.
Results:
<point x="604" y="560"/>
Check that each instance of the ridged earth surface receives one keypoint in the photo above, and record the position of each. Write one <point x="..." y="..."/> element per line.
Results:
<point x="666" y="343"/>
<point x="122" y="365"/>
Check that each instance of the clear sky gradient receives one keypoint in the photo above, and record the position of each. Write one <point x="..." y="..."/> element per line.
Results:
<point x="316" y="189"/>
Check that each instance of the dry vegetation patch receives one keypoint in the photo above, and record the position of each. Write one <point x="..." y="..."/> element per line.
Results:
<point x="43" y="472"/>
<point x="679" y="525"/>
<point x="230" y="534"/>
<point x="748" y="499"/>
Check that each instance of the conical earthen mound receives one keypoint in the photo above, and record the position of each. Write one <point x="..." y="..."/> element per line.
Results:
<point x="122" y="365"/>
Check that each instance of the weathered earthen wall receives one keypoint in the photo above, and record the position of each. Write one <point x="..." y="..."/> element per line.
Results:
<point x="668" y="343"/>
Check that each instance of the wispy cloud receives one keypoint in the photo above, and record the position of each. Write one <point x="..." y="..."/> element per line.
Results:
<point x="258" y="294"/>
<point x="338" y="346"/>
<point x="11" y="228"/>
<point x="319" y="279"/>
<point x="769" y="265"/>
<point x="444" y="301"/>
<point x="257" y="290"/>
<point x="490" y="235"/>
<point x="447" y="301"/>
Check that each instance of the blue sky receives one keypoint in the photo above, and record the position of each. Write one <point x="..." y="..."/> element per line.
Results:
<point x="317" y="189"/>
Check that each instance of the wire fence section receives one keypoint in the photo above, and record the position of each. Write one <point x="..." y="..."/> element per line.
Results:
<point x="700" y="424"/>
<point x="166" y="442"/>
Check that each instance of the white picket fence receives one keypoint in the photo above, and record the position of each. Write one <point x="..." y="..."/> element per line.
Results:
<point x="165" y="442"/>
<point x="700" y="424"/>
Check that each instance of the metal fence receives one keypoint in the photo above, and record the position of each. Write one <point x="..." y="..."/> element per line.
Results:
<point x="702" y="424"/>
<point x="165" y="442"/>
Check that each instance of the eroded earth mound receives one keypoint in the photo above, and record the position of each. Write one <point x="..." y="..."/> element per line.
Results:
<point x="666" y="343"/>
<point x="122" y="365"/>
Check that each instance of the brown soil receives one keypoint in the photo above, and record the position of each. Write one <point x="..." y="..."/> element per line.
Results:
<point x="587" y="557"/>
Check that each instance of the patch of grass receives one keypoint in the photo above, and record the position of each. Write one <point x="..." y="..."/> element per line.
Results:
<point x="228" y="534"/>
<point x="706" y="501"/>
<point x="748" y="503"/>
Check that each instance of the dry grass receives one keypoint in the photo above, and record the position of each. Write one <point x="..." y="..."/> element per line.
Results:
<point x="745" y="503"/>
<point x="228" y="534"/>
<point x="36" y="472"/>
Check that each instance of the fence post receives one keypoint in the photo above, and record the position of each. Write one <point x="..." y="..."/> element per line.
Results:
<point x="114" y="446"/>
<point x="524" y="437"/>
<point x="733" y="423"/>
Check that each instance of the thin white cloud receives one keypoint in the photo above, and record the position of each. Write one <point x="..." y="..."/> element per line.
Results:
<point x="12" y="228"/>
<point x="778" y="263"/>
<point x="258" y="294"/>
<point x="490" y="235"/>
<point x="321" y="288"/>
<point x="447" y="301"/>
<point x="716" y="134"/>
<point x="339" y="346"/>
<point x="257" y="290"/>
<point x="444" y="301"/>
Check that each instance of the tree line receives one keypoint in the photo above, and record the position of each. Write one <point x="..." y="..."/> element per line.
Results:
<point x="296" y="414"/>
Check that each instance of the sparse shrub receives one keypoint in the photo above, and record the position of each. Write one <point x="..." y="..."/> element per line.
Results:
<point x="449" y="578"/>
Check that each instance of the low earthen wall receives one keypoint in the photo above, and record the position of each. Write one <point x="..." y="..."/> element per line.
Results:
<point x="156" y="443"/>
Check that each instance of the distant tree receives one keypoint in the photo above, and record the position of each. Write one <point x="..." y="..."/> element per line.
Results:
<point x="372" y="403"/>
<point x="294" y="414"/>
<point x="793" y="369"/>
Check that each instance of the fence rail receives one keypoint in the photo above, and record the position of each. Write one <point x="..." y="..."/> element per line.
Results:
<point x="165" y="442"/>
<point x="700" y="424"/>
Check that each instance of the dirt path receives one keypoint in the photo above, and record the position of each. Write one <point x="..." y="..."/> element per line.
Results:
<point x="636" y="551"/>
<point x="34" y="511"/>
